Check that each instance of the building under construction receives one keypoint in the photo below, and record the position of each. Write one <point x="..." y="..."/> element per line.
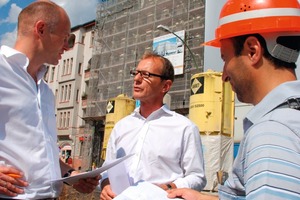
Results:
<point x="124" y="30"/>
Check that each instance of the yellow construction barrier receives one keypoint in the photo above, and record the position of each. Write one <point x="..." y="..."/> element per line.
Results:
<point x="212" y="110"/>
<point x="116" y="109"/>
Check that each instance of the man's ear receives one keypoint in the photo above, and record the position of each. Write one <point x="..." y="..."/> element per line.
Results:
<point x="167" y="86"/>
<point x="40" y="28"/>
<point x="253" y="49"/>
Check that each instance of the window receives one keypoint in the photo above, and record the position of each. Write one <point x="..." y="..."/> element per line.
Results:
<point x="81" y="148"/>
<point x="77" y="95"/>
<point x="82" y="39"/>
<point x="69" y="93"/>
<point x="68" y="119"/>
<point x="65" y="93"/>
<point x="67" y="67"/>
<point x="71" y="65"/>
<point x="62" y="93"/>
<point x="60" y="119"/>
<point x="79" y="68"/>
<point x="64" y="68"/>
<point x="64" y="120"/>
<point x="52" y="74"/>
<point x="92" y="38"/>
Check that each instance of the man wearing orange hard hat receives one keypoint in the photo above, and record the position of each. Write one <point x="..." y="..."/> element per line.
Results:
<point x="259" y="41"/>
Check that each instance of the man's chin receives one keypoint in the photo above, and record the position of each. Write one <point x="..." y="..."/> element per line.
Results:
<point x="136" y="97"/>
<point x="52" y="63"/>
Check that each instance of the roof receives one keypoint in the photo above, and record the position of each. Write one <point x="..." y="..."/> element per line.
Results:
<point x="85" y="25"/>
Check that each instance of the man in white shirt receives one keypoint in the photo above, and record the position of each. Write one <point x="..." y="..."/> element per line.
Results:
<point x="29" y="157"/>
<point x="166" y="146"/>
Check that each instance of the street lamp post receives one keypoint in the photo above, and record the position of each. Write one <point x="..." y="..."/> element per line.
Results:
<point x="167" y="29"/>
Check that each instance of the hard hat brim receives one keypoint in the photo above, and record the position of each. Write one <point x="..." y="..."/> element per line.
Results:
<point x="213" y="43"/>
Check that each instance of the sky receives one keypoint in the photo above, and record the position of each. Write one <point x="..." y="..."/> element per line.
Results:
<point x="79" y="11"/>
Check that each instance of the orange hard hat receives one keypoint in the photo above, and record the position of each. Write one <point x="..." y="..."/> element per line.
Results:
<point x="242" y="17"/>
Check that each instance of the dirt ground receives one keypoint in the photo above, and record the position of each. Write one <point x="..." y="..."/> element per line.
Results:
<point x="69" y="193"/>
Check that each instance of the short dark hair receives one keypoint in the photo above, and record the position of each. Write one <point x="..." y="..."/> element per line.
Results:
<point x="167" y="70"/>
<point x="288" y="41"/>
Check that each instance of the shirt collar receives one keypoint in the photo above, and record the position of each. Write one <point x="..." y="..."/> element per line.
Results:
<point x="15" y="56"/>
<point x="41" y="72"/>
<point x="164" y="110"/>
<point x="20" y="59"/>
<point x="277" y="96"/>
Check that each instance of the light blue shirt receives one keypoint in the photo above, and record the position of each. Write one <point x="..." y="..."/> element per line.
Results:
<point x="166" y="147"/>
<point x="28" y="139"/>
<point x="268" y="161"/>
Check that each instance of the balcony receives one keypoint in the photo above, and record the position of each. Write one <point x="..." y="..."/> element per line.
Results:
<point x="87" y="74"/>
<point x="83" y="103"/>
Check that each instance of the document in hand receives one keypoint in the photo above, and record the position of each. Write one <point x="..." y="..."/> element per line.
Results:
<point x="143" y="191"/>
<point x="73" y="179"/>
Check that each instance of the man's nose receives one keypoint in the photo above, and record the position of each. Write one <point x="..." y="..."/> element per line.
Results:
<point x="138" y="77"/>
<point x="225" y="77"/>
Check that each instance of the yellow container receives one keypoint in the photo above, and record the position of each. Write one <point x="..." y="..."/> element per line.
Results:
<point x="211" y="104"/>
<point x="228" y="108"/>
<point x="212" y="110"/>
<point x="116" y="109"/>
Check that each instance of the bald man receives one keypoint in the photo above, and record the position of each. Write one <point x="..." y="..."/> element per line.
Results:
<point x="28" y="136"/>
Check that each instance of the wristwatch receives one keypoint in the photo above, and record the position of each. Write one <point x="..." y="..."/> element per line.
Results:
<point x="69" y="172"/>
<point x="169" y="186"/>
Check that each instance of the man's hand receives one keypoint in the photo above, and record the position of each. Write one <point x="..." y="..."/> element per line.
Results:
<point x="106" y="193"/>
<point x="86" y="185"/>
<point x="11" y="182"/>
<point x="189" y="194"/>
<point x="168" y="186"/>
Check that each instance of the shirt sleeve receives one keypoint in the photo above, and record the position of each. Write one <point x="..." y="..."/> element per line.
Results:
<point x="110" y="152"/>
<point x="192" y="161"/>
<point x="272" y="163"/>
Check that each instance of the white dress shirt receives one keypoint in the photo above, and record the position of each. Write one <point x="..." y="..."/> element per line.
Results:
<point x="28" y="138"/>
<point x="166" y="147"/>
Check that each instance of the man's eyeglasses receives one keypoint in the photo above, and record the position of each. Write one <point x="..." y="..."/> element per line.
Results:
<point x="145" y="74"/>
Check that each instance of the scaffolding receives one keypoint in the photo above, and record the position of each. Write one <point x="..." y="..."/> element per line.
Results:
<point x="125" y="29"/>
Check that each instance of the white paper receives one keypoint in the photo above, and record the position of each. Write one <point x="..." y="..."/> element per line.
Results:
<point x="118" y="178"/>
<point x="74" y="179"/>
<point x="144" y="191"/>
